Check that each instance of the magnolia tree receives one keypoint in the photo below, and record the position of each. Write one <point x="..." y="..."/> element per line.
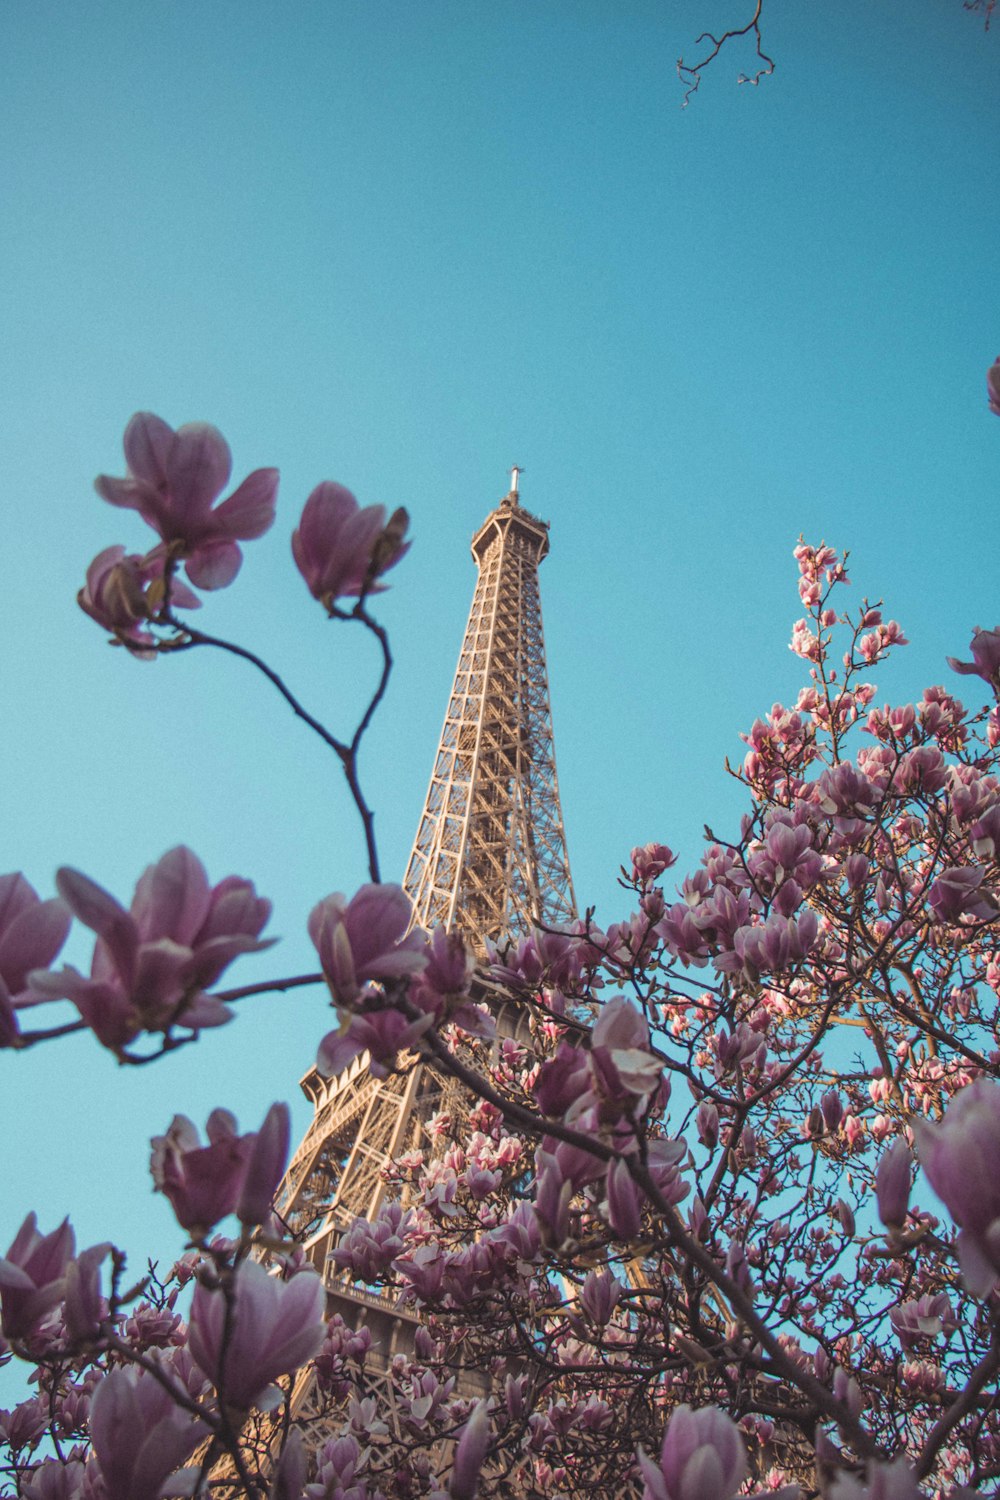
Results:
<point x="680" y="1224"/>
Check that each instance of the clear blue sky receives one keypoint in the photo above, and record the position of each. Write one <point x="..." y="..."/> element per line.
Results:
<point x="404" y="245"/>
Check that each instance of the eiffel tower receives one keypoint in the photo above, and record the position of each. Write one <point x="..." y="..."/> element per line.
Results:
<point x="489" y="859"/>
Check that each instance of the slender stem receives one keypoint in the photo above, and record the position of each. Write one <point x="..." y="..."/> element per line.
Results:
<point x="346" y="754"/>
<point x="265" y="987"/>
<point x="201" y="638"/>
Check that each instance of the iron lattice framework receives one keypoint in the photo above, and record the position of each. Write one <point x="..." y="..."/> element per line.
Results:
<point x="490" y="852"/>
<point x="490" y="858"/>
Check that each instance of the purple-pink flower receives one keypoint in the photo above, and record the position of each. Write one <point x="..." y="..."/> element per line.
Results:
<point x="123" y="591"/>
<point x="650" y="860"/>
<point x="32" y="1276"/>
<point x="173" y="480"/>
<point x="140" y="1434"/>
<point x="985" y="661"/>
<point x="233" y="1172"/>
<point x="274" y="1327"/>
<point x="892" y="1185"/>
<point x="961" y="1157"/>
<point x="469" y="1454"/>
<point x="365" y="938"/>
<point x="993" y="386"/>
<point x="31" y="933"/>
<point x="341" y="548"/>
<point x="152" y="963"/>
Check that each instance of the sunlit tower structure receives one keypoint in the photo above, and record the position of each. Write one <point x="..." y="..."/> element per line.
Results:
<point x="490" y="859"/>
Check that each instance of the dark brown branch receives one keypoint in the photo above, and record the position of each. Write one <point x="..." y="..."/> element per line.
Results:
<point x="690" y="74"/>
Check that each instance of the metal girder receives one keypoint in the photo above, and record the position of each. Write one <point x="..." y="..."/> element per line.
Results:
<point x="490" y="852"/>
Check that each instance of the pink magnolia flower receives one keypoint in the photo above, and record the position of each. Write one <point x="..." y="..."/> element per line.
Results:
<point x="702" y="1458"/>
<point x="925" y="1317"/>
<point x="892" y="1185"/>
<point x="233" y="1172"/>
<point x="985" y="661"/>
<point x="955" y="893"/>
<point x="469" y="1454"/>
<point x="961" y="1157"/>
<point x="365" y="938"/>
<point x="123" y="591"/>
<point x="895" y="1481"/>
<point x="993" y="386"/>
<point x="274" y="1327"/>
<point x="31" y="933"/>
<point x="84" y="1308"/>
<point x="152" y="963"/>
<point x="32" y="1276"/>
<point x="174" y="478"/>
<point x="650" y="860"/>
<point x="341" y="549"/>
<point x="140" y="1434"/>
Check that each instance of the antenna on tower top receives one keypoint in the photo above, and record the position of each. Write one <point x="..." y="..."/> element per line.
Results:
<point x="515" y="473"/>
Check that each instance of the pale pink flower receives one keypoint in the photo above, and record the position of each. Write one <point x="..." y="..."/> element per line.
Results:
<point x="32" y="1276"/>
<point x="341" y="549"/>
<point x="275" y="1326"/>
<point x="140" y="1434"/>
<point x="174" y="478"/>
<point x="152" y="963"/>
<point x="961" y="1157"/>
<point x="923" y="1318"/>
<point x="469" y="1454"/>
<point x="702" y="1458"/>
<point x="893" y="1481"/>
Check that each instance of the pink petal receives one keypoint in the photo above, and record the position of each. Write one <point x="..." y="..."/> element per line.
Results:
<point x="172" y="898"/>
<point x="147" y="443"/>
<point x="32" y="941"/>
<point x="214" y="565"/>
<point x="16" y="896"/>
<point x="99" y="911"/>
<point x="198" y="469"/>
<point x="249" y="510"/>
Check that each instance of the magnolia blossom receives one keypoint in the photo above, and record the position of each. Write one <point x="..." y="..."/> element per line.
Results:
<point x="923" y="1318"/>
<point x="233" y="1172"/>
<point x="31" y="933"/>
<point x="140" y="1434"/>
<point x="152" y="963"/>
<point x="274" y="1327"/>
<point x="961" y="1157"/>
<point x="365" y="938"/>
<point x="469" y="1453"/>
<point x="341" y="549"/>
<point x="892" y="1185"/>
<point x="985" y="661"/>
<point x="650" y="860"/>
<point x="173" y="480"/>
<point x="702" y="1458"/>
<point x="123" y="591"/>
<point x="32" y="1276"/>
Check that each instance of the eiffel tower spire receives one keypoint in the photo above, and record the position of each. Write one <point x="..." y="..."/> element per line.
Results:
<point x="490" y="851"/>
